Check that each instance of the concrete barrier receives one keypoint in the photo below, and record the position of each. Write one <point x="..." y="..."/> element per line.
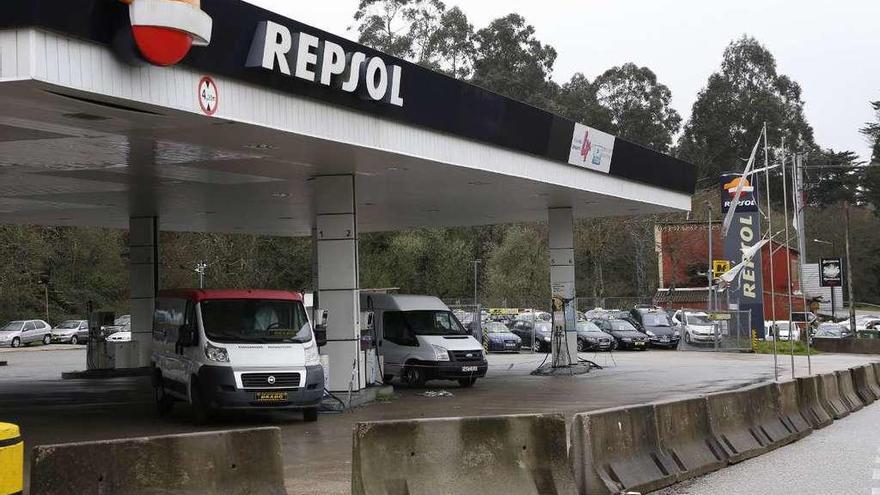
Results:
<point x="865" y="384"/>
<point x="876" y="371"/>
<point x="231" y="462"/>
<point x="848" y="391"/>
<point x="483" y="455"/>
<point x="618" y="450"/>
<point x="812" y="406"/>
<point x="685" y="434"/>
<point x="747" y="421"/>
<point x="789" y="408"/>
<point x="829" y="394"/>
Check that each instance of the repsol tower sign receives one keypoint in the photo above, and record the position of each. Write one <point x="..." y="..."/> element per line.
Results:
<point x="745" y="231"/>
<point x="306" y="57"/>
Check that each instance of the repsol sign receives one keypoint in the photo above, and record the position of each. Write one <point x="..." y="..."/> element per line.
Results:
<point x="306" y="57"/>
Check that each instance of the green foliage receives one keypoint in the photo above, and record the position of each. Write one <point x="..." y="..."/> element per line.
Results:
<point x="871" y="180"/>
<point x="512" y="61"/>
<point x="639" y="106"/>
<point x="577" y="100"/>
<point x="834" y="177"/>
<point x="518" y="269"/>
<point x="731" y="110"/>
<point x="783" y="347"/>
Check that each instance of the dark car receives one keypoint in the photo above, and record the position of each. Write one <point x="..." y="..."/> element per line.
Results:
<point x="534" y="334"/>
<point x="655" y="323"/>
<point x="497" y="337"/>
<point x="592" y="338"/>
<point x="624" y="333"/>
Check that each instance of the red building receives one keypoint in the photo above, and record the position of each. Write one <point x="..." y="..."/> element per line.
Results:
<point x="682" y="259"/>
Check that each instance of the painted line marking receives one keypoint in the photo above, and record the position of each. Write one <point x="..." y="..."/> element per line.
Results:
<point x="876" y="474"/>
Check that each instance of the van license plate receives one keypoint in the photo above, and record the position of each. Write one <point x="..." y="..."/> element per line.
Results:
<point x="271" y="396"/>
<point x="468" y="369"/>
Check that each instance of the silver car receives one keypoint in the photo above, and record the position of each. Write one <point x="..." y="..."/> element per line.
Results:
<point x="21" y="332"/>
<point x="71" y="332"/>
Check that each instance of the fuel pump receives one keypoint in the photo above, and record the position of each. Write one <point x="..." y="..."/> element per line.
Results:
<point x="372" y="360"/>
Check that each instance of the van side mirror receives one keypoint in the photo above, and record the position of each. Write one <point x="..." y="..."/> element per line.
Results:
<point x="319" y="319"/>
<point x="186" y="336"/>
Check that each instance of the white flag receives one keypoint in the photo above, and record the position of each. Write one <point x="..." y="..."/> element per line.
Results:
<point x="728" y="219"/>
<point x="747" y="254"/>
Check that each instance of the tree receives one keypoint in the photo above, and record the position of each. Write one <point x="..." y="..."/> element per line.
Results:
<point x="577" y="101"/>
<point x="837" y="177"/>
<point x="731" y="110"/>
<point x="512" y="62"/>
<point x="403" y="28"/>
<point x="871" y="181"/>
<point x="451" y="46"/>
<point x="639" y="106"/>
<point x="518" y="271"/>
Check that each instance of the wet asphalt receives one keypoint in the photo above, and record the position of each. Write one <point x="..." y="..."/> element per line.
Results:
<point x="318" y="455"/>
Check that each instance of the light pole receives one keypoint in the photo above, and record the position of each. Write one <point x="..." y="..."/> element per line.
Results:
<point x="833" y="253"/>
<point x="478" y="313"/>
<point x="710" y="270"/>
<point x="200" y="269"/>
<point x="476" y="271"/>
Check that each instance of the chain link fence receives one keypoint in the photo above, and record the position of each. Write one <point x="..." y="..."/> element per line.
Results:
<point x="585" y="304"/>
<point x="718" y="331"/>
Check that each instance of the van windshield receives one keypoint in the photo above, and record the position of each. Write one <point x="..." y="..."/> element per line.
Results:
<point x="255" y="320"/>
<point x="433" y="323"/>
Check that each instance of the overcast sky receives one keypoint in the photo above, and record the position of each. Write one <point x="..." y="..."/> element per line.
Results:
<point x="831" y="48"/>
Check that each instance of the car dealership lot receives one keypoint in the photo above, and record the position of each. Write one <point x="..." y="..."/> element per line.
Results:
<point x="51" y="410"/>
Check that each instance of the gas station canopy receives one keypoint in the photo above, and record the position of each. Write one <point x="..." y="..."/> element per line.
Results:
<point x="230" y="138"/>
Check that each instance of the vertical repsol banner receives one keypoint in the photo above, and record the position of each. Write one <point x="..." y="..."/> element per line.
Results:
<point x="745" y="231"/>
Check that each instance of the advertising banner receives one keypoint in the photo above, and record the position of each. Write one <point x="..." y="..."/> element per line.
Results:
<point x="747" y="291"/>
<point x="831" y="273"/>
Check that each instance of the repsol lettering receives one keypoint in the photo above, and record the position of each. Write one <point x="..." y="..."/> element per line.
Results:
<point x="323" y="62"/>
<point x="746" y="236"/>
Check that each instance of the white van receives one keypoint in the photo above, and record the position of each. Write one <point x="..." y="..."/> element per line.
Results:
<point x="420" y="340"/>
<point x="235" y="349"/>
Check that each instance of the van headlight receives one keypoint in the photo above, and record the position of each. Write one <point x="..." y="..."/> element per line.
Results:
<point x="440" y="353"/>
<point x="312" y="356"/>
<point x="214" y="353"/>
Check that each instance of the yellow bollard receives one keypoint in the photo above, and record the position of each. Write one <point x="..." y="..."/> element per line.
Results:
<point x="11" y="460"/>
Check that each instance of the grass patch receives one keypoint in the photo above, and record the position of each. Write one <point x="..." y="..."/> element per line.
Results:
<point x="784" y="347"/>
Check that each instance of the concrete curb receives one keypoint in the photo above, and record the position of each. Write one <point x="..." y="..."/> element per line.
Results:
<point x="218" y="462"/>
<point x="829" y="393"/>
<point x="813" y="408"/>
<point x="789" y="408"/>
<point x="847" y="391"/>
<point x="618" y="450"/>
<point x="864" y="383"/>
<point x="732" y="420"/>
<point x="684" y="431"/>
<point x="495" y="455"/>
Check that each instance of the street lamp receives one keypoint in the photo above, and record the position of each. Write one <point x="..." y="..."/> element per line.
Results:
<point x="478" y="313"/>
<point x="833" y="253"/>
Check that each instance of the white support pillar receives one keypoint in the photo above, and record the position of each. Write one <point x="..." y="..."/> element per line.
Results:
<point x="143" y="242"/>
<point x="561" y="241"/>
<point x="338" y="286"/>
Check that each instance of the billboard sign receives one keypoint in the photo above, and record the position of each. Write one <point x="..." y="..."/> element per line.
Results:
<point x="831" y="273"/>
<point x="747" y="290"/>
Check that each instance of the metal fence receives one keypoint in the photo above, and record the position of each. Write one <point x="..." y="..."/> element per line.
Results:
<point x="718" y="331"/>
<point x="585" y="304"/>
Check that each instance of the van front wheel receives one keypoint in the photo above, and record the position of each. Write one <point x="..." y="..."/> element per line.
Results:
<point x="201" y="410"/>
<point x="414" y="376"/>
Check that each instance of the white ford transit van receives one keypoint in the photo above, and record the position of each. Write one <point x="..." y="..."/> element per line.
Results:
<point x="235" y="349"/>
<point x="420" y="340"/>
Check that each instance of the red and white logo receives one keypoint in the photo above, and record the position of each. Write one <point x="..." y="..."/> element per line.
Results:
<point x="586" y="146"/>
<point x="165" y="30"/>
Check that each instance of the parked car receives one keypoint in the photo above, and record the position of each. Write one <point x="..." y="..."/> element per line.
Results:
<point x="780" y="327"/>
<point x="71" y="332"/>
<point x="833" y="331"/>
<point x="123" y="336"/>
<point x="22" y="332"/>
<point x="657" y="326"/>
<point x="592" y="338"/>
<point x="534" y="334"/>
<point x="864" y="322"/>
<point x="696" y="327"/>
<point x="624" y="333"/>
<point x="498" y="338"/>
